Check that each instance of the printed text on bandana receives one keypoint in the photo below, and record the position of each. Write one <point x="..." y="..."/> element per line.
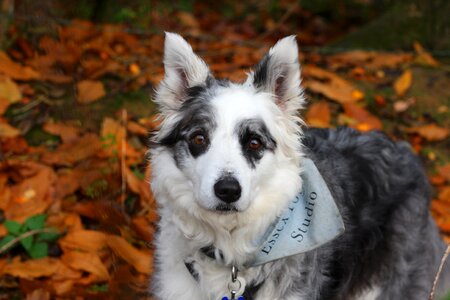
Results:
<point x="311" y="220"/>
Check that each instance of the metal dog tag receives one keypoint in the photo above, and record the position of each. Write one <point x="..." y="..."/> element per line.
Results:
<point x="311" y="220"/>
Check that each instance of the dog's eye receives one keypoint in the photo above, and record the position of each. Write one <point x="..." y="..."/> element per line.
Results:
<point x="254" y="144"/>
<point x="199" y="139"/>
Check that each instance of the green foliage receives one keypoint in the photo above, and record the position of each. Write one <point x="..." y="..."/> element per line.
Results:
<point x="35" y="245"/>
<point x="99" y="288"/>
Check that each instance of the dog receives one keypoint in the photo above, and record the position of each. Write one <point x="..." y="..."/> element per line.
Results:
<point x="230" y="160"/>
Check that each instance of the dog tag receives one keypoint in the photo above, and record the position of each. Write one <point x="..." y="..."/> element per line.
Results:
<point x="311" y="220"/>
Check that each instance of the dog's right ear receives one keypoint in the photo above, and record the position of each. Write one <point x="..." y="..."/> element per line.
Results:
<point x="183" y="69"/>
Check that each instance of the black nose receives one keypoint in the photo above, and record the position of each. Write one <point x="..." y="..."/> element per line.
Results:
<point x="227" y="189"/>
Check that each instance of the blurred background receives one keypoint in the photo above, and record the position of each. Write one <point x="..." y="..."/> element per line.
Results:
<point x="76" y="81"/>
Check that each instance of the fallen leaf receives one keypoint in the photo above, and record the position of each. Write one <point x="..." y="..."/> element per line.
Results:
<point x="84" y="240"/>
<point x="4" y="104"/>
<point x="69" y="153"/>
<point x="7" y="131"/>
<point x="10" y="90"/>
<point x="319" y="115"/>
<point x="430" y="132"/>
<point x="141" y="260"/>
<point x="403" y="83"/>
<point x="68" y="133"/>
<point x="370" y="59"/>
<point x="88" y="262"/>
<point x="444" y="194"/>
<point x="15" y="70"/>
<point x="330" y="85"/>
<point x="365" y="120"/>
<point x="401" y="106"/>
<point x="444" y="171"/>
<point x="90" y="91"/>
<point x="113" y="136"/>
<point x="35" y="268"/>
<point x="423" y="57"/>
<point x="137" y="129"/>
<point x="38" y="294"/>
<point x="33" y="194"/>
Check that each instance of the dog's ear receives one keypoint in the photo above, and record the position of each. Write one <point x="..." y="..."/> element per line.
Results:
<point x="278" y="73"/>
<point x="183" y="69"/>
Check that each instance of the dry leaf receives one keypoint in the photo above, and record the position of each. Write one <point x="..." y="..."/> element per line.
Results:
<point x="9" y="90"/>
<point x="35" y="268"/>
<point x="423" y="57"/>
<point x="90" y="91"/>
<point x="15" y="70"/>
<point x="33" y="194"/>
<point x="69" y="153"/>
<point x="370" y="59"/>
<point x="444" y="171"/>
<point x="430" y="132"/>
<point x="113" y="135"/>
<point x="68" y="133"/>
<point x="365" y="120"/>
<point x="141" y="260"/>
<point x="38" y="294"/>
<point x="88" y="262"/>
<point x="403" y="83"/>
<point x="330" y="85"/>
<point x="84" y="240"/>
<point x="7" y="131"/>
<point x="319" y="115"/>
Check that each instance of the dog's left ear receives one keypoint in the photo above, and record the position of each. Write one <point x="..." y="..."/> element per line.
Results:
<point x="278" y="73"/>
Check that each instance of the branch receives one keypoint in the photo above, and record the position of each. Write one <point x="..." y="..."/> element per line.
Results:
<point x="22" y="236"/>
<point x="438" y="274"/>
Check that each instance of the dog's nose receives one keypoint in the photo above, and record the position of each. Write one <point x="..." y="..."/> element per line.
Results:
<point x="227" y="189"/>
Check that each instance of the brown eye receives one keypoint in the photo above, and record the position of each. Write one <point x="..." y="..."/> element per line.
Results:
<point x="199" y="139"/>
<point x="254" y="144"/>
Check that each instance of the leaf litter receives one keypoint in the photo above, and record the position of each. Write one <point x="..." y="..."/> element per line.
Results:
<point x="92" y="183"/>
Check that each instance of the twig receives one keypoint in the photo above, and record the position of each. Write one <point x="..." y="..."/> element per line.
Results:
<point x="438" y="274"/>
<point x="123" y="156"/>
<point x="22" y="236"/>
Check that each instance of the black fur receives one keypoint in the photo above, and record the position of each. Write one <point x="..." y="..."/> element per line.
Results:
<point x="382" y="193"/>
<point x="254" y="128"/>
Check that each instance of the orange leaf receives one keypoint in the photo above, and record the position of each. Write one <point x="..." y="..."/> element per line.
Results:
<point x="84" y="240"/>
<point x="43" y="267"/>
<point x="403" y="83"/>
<point x="9" y="90"/>
<point x="4" y="104"/>
<point x="444" y="194"/>
<point x="319" y="115"/>
<point x="330" y="85"/>
<point x="15" y="70"/>
<point x="33" y="195"/>
<point x="445" y="172"/>
<point x="90" y="91"/>
<point x="366" y="121"/>
<point x="141" y="260"/>
<point x="431" y="132"/>
<point x="423" y="57"/>
<point x="68" y="133"/>
<point x="88" y="262"/>
<point x="38" y="294"/>
<point x="113" y="135"/>
<point x="7" y="131"/>
<point x="86" y="146"/>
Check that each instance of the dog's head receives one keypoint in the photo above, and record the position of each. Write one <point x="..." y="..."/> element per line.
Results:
<point x="226" y="148"/>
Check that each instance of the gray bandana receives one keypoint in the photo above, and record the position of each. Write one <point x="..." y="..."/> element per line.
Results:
<point x="311" y="220"/>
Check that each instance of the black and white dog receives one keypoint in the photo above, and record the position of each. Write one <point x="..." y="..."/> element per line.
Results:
<point x="226" y="176"/>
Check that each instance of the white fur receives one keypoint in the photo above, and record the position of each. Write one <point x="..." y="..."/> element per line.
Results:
<point x="185" y="196"/>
